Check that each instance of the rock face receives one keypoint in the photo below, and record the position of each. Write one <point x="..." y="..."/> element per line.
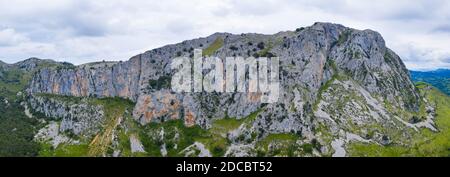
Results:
<point x="317" y="64"/>
<point x="80" y="118"/>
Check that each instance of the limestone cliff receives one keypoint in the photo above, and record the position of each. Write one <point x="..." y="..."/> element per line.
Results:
<point x="332" y="77"/>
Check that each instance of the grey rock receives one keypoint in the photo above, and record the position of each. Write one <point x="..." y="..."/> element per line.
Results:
<point x="310" y="60"/>
<point x="81" y="118"/>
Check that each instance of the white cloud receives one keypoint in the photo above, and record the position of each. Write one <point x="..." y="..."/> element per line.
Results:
<point x="9" y="37"/>
<point x="80" y="31"/>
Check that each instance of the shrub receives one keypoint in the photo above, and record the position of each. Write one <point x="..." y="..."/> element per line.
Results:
<point x="299" y="29"/>
<point x="260" y="45"/>
<point x="233" y="47"/>
<point x="161" y="83"/>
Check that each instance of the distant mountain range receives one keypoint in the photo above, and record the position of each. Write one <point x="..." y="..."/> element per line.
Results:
<point x="439" y="78"/>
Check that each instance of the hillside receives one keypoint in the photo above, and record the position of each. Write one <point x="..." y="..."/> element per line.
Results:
<point x="438" y="78"/>
<point x="343" y="93"/>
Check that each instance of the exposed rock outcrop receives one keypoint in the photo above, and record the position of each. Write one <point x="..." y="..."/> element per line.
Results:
<point x="79" y="118"/>
<point x="314" y="62"/>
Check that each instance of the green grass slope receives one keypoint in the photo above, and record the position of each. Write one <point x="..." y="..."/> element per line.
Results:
<point x="425" y="143"/>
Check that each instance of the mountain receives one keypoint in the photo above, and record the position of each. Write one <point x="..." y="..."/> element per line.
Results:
<point x="17" y="128"/>
<point x="342" y="93"/>
<point x="439" y="78"/>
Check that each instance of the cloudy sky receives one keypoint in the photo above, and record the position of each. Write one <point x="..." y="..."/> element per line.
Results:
<point x="80" y="31"/>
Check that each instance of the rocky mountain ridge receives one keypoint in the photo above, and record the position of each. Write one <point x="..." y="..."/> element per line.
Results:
<point x="362" y="54"/>
<point x="338" y="85"/>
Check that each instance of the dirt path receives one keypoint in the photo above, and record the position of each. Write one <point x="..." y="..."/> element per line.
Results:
<point x="101" y="142"/>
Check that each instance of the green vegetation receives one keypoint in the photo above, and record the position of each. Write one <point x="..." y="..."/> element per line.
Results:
<point x="343" y="37"/>
<point x="277" y="137"/>
<point x="421" y="85"/>
<point x="63" y="150"/>
<point x="387" y="57"/>
<point x="162" y="82"/>
<point x="299" y="29"/>
<point x="356" y="55"/>
<point x="50" y="64"/>
<point x="227" y="124"/>
<point x="282" y="145"/>
<point x="426" y="142"/>
<point x="211" y="49"/>
<point x="59" y="67"/>
<point x="327" y="84"/>
<point x="12" y="81"/>
<point x="176" y="137"/>
<point x="115" y="109"/>
<point x="62" y="98"/>
<point x="264" y="50"/>
<point x="16" y="131"/>
<point x="439" y="78"/>
<point x="217" y="141"/>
